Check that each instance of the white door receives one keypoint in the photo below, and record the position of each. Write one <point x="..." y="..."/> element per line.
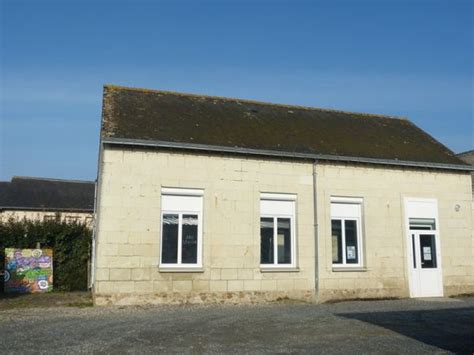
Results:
<point x="425" y="270"/>
<point x="424" y="252"/>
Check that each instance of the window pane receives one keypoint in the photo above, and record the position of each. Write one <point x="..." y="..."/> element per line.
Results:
<point x="189" y="239"/>
<point x="266" y="240"/>
<point x="284" y="241"/>
<point x="336" y="241"/>
<point x="428" y="251"/>
<point x="169" y="249"/>
<point x="352" y="252"/>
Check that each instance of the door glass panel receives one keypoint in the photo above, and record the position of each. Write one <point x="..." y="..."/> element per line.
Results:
<point x="169" y="249"/>
<point x="189" y="239"/>
<point x="352" y="253"/>
<point x="428" y="251"/>
<point x="422" y="224"/>
<point x="336" y="225"/>
<point x="413" y="250"/>
<point x="266" y="240"/>
<point x="284" y="241"/>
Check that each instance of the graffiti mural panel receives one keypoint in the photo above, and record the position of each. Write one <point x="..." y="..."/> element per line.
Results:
<point x="28" y="270"/>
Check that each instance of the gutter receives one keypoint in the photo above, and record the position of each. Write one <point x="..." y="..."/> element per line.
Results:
<point x="281" y="154"/>
<point x="98" y="189"/>
<point x="316" y="227"/>
<point x="97" y="193"/>
<point x="91" y="274"/>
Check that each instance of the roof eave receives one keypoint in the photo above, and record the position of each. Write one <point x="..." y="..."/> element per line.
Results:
<point x="46" y="209"/>
<point x="282" y="154"/>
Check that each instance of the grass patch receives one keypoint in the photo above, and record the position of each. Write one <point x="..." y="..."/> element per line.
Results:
<point x="46" y="300"/>
<point x="80" y="304"/>
<point x="463" y="295"/>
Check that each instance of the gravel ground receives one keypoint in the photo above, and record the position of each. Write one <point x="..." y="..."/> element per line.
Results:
<point x="389" y="327"/>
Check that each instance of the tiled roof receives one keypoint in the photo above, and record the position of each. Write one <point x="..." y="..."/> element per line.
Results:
<point x="47" y="194"/>
<point x="150" y="115"/>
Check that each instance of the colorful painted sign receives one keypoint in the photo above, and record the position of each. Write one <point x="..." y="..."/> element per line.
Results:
<point x="28" y="270"/>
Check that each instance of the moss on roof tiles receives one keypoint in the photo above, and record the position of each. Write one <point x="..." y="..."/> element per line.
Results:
<point x="143" y="114"/>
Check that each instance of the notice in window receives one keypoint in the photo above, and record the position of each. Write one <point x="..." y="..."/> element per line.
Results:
<point x="351" y="253"/>
<point x="426" y="253"/>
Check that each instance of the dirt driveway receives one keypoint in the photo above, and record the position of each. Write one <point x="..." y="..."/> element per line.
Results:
<point x="393" y="327"/>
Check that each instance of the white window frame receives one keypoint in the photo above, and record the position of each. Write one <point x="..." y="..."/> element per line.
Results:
<point x="177" y="208"/>
<point x="343" y="218"/>
<point x="279" y="212"/>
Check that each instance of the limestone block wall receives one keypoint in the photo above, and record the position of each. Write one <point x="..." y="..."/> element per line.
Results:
<point x="383" y="190"/>
<point x="129" y="225"/>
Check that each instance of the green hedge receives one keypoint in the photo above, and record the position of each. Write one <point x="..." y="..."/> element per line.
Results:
<point x="71" y="244"/>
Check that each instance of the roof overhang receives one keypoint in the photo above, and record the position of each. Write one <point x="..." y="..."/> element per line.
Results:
<point x="280" y="154"/>
<point x="46" y="209"/>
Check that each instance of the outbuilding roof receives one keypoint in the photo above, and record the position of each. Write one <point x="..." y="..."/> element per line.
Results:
<point x="30" y="193"/>
<point x="467" y="157"/>
<point x="176" y="120"/>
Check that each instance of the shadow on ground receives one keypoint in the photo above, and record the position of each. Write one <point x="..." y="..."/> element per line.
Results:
<point x="448" y="329"/>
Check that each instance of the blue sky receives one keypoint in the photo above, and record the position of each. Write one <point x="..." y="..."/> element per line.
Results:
<point x="411" y="58"/>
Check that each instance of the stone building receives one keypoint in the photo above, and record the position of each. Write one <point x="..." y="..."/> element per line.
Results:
<point x="42" y="199"/>
<point x="468" y="158"/>
<point x="216" y="199"/>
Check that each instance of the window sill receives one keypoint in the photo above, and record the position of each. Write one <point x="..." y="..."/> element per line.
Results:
<point x="163" y="269"/>
<point x="279" y="269"/>
<point x="349" y="269"/>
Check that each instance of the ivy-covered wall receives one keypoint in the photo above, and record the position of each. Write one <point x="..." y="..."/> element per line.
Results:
<point x="71" y="244"/>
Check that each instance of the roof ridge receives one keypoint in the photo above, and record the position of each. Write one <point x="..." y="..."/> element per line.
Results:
<point x="466" y="152"/>
<point x="233" y="99"/>
<point x="50" y="179"/>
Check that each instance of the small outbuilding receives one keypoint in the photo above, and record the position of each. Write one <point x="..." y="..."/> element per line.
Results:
<point x="36" y="198"/>
<point x="211" y="199"/>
